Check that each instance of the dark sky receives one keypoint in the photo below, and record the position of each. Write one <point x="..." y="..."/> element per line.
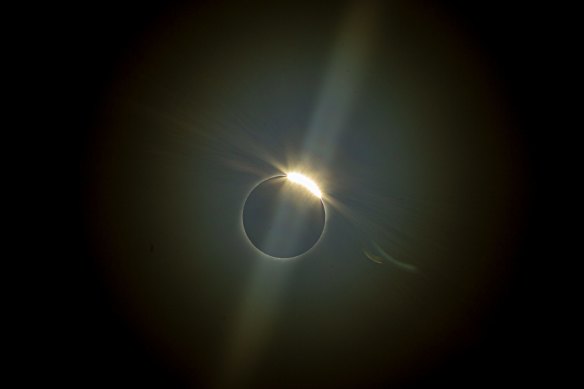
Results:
<point x="169" y="114"/>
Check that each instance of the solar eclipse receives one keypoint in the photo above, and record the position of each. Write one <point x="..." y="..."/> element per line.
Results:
<point x="284" y="216"/>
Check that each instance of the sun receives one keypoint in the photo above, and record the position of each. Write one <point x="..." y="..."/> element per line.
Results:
<point x="306" y="182"/>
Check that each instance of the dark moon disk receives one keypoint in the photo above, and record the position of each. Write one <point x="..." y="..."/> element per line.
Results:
<point x="283" y="219"/>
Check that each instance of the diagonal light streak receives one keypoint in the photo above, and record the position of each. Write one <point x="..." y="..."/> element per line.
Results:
<point x="341" y="85"/>
<point x="269" y="279"/>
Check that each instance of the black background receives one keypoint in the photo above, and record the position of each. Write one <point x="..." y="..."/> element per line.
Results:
<point x="78" y="336"/>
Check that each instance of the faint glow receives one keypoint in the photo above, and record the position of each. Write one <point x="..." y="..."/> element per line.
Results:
<point x="305" y="182"/>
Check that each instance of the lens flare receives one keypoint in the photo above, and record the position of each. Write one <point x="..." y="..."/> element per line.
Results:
<point x="306" y="182"/>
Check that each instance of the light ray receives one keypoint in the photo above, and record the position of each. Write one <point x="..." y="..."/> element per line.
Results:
<point x="261" y="302"/>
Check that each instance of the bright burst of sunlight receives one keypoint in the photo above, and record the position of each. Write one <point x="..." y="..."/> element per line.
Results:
<point x="306" y="182"/>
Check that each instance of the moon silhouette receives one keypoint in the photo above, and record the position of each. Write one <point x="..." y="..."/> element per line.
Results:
<point x="282" y="218"/>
